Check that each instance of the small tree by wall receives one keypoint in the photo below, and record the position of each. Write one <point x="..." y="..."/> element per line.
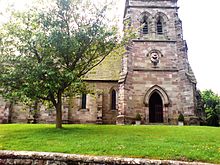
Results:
<point x="212" y="107"/>
<point x="46" y="51"/>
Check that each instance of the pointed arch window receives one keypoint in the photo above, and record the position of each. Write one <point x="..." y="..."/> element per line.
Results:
<point x="144" y="22"/>
<point x="113" y="99"/>
<point x="83" y="106"/>
<point x="159" y="26"/>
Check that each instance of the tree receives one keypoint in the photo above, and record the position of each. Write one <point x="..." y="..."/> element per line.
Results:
<point x="46" y="52"/>
<point x="212" y="107"/>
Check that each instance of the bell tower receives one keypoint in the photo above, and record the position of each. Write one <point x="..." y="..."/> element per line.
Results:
<point x="156" y="78"/>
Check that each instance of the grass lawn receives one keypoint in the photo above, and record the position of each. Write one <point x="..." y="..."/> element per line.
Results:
<point x="159" y="142"/>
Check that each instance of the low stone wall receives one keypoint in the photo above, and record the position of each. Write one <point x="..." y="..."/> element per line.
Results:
<point x="45" y="158"/>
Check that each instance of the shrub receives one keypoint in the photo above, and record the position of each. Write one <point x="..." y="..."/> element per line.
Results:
<point x="181" y="117"/>
<point x="212" y="117"/>
<point x="211" y="102"/>
<point x="138" y="117"/>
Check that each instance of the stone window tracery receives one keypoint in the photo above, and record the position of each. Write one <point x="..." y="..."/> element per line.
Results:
<point x="145" y="20"/>
<point x="161" y="21"/>
<point x="159" y="26"/>
<point x="145" y="29"/>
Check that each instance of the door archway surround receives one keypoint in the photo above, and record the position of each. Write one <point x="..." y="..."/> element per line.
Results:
<point x="165" y="102"/>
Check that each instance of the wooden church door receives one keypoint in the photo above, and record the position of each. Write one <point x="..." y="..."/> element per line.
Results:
<point x="155" y="108"/>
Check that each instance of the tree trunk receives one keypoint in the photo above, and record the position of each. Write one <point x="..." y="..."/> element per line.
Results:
<point x="59" y="111"/>
<point x="10" y="112"/>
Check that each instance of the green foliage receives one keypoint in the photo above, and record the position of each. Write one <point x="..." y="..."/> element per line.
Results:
<point x="138" y="117"/>
<point x="200" y="111"/>
<point x="153" y="142"/>
<point x="181" y="117"/>
<point x="212" y="107"/>
<point x="46" y="51"/>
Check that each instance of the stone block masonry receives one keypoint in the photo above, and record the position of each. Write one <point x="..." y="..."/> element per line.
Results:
<point x="153" y="77"/>
<point x="45" y="158"/>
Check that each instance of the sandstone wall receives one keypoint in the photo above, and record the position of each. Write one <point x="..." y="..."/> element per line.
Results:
<point x="98" y="108"/>
<point x="171" y="73"/>
<point x="42" y="158"/>
<point x="98" y="105"/>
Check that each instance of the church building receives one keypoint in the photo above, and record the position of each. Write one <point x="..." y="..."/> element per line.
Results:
<point x="153" y="78"/>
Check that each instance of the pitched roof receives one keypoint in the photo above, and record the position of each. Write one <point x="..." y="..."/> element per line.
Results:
<point x="108" y="70"/>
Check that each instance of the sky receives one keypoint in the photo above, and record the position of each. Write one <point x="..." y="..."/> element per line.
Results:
<point x="201" y="30"/>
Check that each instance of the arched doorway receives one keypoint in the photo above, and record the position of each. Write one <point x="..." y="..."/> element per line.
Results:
<point x="155" y="108"/>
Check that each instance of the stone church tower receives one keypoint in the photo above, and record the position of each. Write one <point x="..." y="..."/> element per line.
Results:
<point x="153" y="78"/>
<point x="156" y="79"/>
